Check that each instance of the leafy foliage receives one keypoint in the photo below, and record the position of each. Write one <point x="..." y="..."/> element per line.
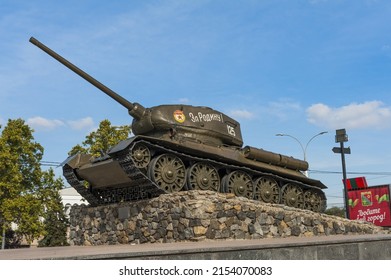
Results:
<point x="28" y="195"/>
<point x="55" y="221"/>
<point x="336" y="211"/>
<point x="100" y="141"/>
<point x="12" y="240"/>
<point x="20" y="175"/>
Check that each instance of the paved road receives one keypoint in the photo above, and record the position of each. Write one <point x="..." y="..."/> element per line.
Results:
<point x="181" y="249"/>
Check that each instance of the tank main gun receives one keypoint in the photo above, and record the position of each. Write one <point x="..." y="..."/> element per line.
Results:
<point x="135" y="110"/>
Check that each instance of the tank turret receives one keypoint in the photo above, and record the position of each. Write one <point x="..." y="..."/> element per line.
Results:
<point x="182" y="147"/>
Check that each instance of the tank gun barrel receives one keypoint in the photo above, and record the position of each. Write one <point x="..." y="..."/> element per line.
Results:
<point x="135" y="109"/>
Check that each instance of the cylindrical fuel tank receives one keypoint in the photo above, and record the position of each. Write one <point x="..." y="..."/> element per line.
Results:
<point x="273" y="158"/>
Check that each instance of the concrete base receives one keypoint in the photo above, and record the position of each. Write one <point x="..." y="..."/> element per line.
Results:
<point x="337" y="247"/>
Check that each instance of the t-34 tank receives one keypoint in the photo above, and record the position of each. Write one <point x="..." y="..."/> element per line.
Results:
<point x="182" y="147"/>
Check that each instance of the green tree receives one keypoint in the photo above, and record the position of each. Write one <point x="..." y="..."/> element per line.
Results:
<point x="12" y="240"/>
<point x="55" y="220"/>
<point x="20" y="179"/>
<point x="100" y="141"/>
<point x="335" y="211"/>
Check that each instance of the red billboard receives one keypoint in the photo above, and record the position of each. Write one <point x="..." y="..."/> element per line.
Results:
<point x="371" y="204"/>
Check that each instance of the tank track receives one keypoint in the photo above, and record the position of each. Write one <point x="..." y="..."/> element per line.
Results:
<point x="143" y="188"/>
<point x="79" y="186"/>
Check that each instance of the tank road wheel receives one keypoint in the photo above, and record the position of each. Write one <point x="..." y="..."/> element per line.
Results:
<point x="312" y="201"/>
<point x="203" y="176"/>
<point x="141" y="156"/>
<point x="267" y="190"/>
<point x="168" y="172"/>
<point x="239" y="183"/>
<point x="292" y="196"/>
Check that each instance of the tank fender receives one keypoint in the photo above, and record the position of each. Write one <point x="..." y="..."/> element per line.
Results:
<point x="77" y="160"/>
<point x="122" y="145"/>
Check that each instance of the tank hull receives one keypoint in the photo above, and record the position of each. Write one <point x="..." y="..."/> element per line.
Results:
<point x="140" y="167"/>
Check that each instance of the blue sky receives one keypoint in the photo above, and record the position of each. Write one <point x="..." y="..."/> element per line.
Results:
<point x="292" y="67"/>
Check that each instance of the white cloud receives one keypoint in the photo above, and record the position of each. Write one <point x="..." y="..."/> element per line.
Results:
<point x="45" y="124"/>
<point x="85" y="123"/>
<point x="184" y="100"/>
<point x="283" y="108"/>
<point x="40" y="123"/>
<point x="242" y="114"/>
<point x="368" y="114"/>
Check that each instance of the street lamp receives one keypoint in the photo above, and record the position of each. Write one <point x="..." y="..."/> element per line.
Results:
<point x="341" y="137"/>
<point x="301" y="145"/>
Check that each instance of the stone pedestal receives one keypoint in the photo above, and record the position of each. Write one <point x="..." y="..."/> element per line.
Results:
<point x="200" y="215"/>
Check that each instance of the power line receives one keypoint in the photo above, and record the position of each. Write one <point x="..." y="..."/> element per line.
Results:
<point x="352" y="172"/>
<point x="50" y="163"/>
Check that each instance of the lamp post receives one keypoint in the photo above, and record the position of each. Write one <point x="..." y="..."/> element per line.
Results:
<point x="341" y="137"/>
<point x="2" y="232"/>
<point x="304" y="149"/>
